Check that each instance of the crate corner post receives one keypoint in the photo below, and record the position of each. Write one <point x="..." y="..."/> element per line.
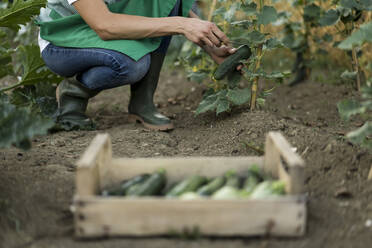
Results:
<point x="92" y="165"/>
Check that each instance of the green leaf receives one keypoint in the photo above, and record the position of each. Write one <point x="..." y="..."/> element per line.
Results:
<point x="350" y="4"/>
<point x="329" y="18"/>
<point x="358" y="38"/>
<point x="250" y="9"/>
<point x="362" y="135"/>
<point x="239" y="96"/>
<point x="39" y="98"/>
<point x="367" y="92"/>
<point x="6" y="68"/>
<point x="256" y="37"/>
<point x="267" y="15"/>
<point x="367" y="4"/>
<point x="233" y="78"/>
<point x="229" y="15"/>
<point x="198" y="76"/>
<point x="273" y="43"/>
<point x="349" y="75"/>
<point x="18" y="125"/>
<point x="223" y="105"/>
<point x="209" y="103"/>
<point x="20" y="12"/>
<point x="347" y="108"/>
<point x="311" y="13"/>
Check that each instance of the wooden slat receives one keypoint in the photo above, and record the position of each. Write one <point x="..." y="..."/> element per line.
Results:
<point x="177" y="168"/>
<point x="149" y="216"/>
<point x="279" y="151"/>
<point x="92" y="165"/>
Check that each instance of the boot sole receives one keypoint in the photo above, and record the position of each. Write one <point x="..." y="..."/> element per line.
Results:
<point x="135" y="118"/>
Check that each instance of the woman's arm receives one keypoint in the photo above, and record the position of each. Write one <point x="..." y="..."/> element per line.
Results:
<point x="112" y="26"/>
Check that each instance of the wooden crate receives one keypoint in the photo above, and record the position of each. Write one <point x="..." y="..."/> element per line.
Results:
<point x="97" y="216"/>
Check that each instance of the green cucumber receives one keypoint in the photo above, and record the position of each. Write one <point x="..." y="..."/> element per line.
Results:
<point x="267" y="189"/>
<point x="125" y="185"/>
<point x="232" y="179"/>
<point x="253" y="179"/>
<point x="190" y="196"/>
<point x="188" y="185"/>
<point x="226" y="193"/>
<point x="231" y="62"/>
<point x="151" y="186"/>
<point x="212" y="186"/>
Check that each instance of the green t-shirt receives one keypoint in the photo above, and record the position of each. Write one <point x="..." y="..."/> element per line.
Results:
<point x="72" y="31"/>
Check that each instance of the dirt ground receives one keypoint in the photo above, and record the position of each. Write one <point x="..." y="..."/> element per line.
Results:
<point x="36" y="187"/>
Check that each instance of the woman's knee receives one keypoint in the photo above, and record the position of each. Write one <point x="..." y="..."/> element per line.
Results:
<point x="132" y="71"/>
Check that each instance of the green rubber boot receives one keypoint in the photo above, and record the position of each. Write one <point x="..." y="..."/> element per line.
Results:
<point x="72" y="98"/>
<point x="141" y="106"/>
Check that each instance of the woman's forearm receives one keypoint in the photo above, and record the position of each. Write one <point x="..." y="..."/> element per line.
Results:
<point x="133" y="27"/>
<point x="112" y="26"/>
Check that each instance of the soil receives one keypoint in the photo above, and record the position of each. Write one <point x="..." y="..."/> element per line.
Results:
<point x="37" y="186"/>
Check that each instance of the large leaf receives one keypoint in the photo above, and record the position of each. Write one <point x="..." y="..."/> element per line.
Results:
<point x="223" y="105"/>
<point x="39" y="98"/>
<point x="229" y="15"/>
<point x="209" y="103"/>
<point x="250" y="9"/>
<point x="357" y="38"/>
<point x="329" y="18"/>
<point x="347" y="108"/>
<point x="349" y="75"/>
<point x="362" y="135"/>
<point x="357" y="5"/>
<point x="312" y="13"/>
<point x="267" y="15"/>
<point x="18" y="125"/>
<point x="20" y="12"/>
<point x="239" y="96"/>
<point x="256" y="37"/>
<point x="6" y="67"/>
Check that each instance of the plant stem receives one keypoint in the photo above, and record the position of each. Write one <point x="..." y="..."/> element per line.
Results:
<point x="13" y="86"/>
<point x="356" y="67"/>
<point x="354" y="56"/>
<point x="213" y="7"/>
<point x="254" y="88"/>
<point x="307" y="53"/>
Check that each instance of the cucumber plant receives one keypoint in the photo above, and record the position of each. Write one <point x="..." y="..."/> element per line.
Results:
<point x="23" y="65"/>
<point x="348" y="108"/>
<point x="244" y="23"/>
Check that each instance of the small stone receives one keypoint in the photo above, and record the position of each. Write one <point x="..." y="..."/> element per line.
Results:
<point x="328" y="148"/>
<point x="343" y="193"/>
<point x="368" y="223"/>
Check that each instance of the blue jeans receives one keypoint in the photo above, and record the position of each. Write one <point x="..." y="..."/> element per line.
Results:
<point x="100" y="69"/>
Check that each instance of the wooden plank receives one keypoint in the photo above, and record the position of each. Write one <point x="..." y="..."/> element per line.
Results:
<point x="149" y="216"/>
<point x="281" y="161"/>
<point x="177" y="168"/>
<point x="92" y="165"/>
<point x="370" y="174"/>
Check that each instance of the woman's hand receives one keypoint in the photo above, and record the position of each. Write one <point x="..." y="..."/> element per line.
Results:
<point x="204" y="33"/>
<point x="219" y="54"/>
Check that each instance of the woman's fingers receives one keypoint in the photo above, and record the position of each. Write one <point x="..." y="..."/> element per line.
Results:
<point x="215" y="40"/>
<point x="221" y="35"/>
<point x="207" y="41"/>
